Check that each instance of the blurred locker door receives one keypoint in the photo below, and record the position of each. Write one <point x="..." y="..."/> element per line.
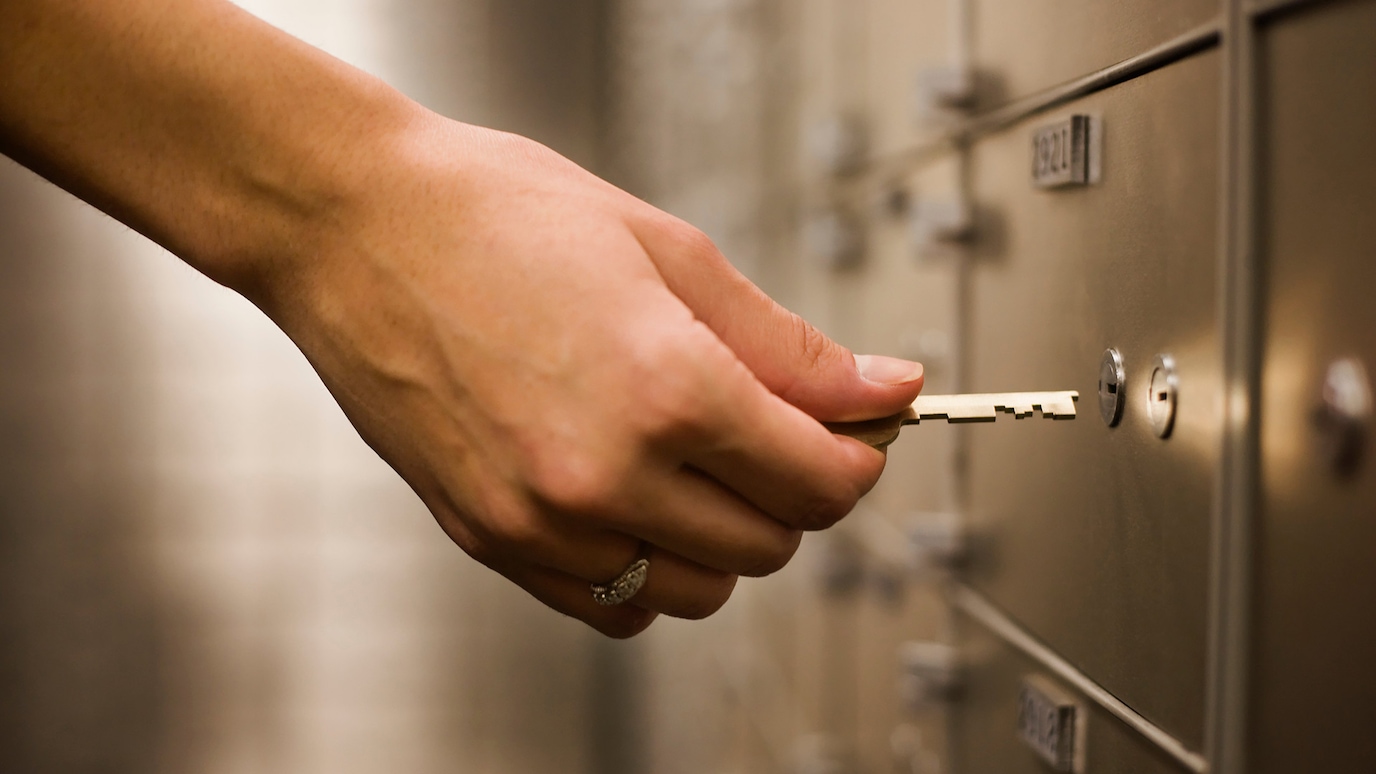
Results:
<point x="1096" y="538"/>
<point x="1315" y="679"/>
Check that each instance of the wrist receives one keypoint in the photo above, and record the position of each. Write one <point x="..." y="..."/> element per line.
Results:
<point x="290" y="189"/>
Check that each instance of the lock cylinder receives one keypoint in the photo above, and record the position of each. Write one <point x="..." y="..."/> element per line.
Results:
<point x="1161" y="396"/>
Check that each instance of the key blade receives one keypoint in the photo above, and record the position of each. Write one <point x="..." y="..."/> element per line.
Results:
<point x="965" y="407"/>
<point x="985" y="407"/>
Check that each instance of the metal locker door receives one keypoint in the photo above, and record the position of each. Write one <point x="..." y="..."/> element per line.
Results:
<point x="1096" y="538"/>
<point x="1315" y="565"/>
<point x="986" y="731"/>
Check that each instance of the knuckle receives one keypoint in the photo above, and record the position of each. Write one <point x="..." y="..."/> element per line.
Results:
<point x="583" y="483"/>
<point x="693" y="241"/>
<point x="674" y="403"/>
<point x="709" y="597"/>
<point x="777" y="556"/>
<point x="454" y="526"/>
<point x="517" y="532"/>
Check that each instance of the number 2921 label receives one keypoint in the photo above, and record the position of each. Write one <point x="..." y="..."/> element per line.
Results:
<point x="1061" y="153"/>
<point x="1051" y="723"/>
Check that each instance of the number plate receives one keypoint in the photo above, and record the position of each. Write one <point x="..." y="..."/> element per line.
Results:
<point x="1052" y="724"/>
<point x="1061" y="153"/>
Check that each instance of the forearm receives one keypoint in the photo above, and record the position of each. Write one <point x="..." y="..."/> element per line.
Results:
<point x="214" y="134"/>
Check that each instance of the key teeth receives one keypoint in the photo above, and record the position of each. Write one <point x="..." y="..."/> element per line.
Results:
<point x="964" y="414"/>
<point x="1061" y="410"/>
<point x="1064" y="410"/>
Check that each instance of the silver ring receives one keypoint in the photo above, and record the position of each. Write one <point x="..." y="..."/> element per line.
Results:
<point x="624" y="586"/>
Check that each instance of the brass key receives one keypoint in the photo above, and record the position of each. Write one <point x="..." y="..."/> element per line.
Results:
<point x="972" y="407"/>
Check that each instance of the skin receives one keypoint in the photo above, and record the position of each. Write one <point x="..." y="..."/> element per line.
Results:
<point x="568" y="377"/>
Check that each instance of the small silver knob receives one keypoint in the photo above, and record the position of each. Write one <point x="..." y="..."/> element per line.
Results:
<point x="944" y="94"/>
<point x="938" y="225"/>
<point x="835" y="238"/>
<point x="931" y="673"/>
<point x="937" y="540"/>
<point x="1344" y="412"/>
<point x="839" y="143"/>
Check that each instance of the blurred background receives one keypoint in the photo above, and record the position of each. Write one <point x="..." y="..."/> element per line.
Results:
<point x="202" y="567"/>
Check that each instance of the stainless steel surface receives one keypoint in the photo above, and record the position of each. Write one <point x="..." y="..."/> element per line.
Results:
<point x="1098" y="541"/>
<point x="1313" y="666"/>
<point x="1024" y="47"/>
<point x="1162" y="393"/>
<point x="998" y="655"/>
<point x="1112" y="387"/>
<point x="967" y="407"/>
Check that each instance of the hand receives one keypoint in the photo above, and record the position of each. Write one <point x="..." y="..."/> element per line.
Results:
<point x="564" y="373"/>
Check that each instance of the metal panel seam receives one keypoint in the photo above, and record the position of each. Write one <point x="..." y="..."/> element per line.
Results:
<point x="1262" y="8"/>
<point x="1192" y="42"/>
<point x="1230" y="585"/>
<point x="1198" y="39"/>
<point x="997" y="622"/>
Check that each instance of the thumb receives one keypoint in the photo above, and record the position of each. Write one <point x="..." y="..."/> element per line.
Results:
<point x="790" y="357"/>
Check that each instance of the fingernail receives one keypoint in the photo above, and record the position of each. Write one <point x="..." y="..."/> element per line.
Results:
<point x="888" y="370"/>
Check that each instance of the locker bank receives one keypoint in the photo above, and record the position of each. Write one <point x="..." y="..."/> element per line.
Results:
<point x="1121" y="214"/>
<point x="1166" y="207"/>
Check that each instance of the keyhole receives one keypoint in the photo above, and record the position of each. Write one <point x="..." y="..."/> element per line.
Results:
<point x="1162" y="396"/>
